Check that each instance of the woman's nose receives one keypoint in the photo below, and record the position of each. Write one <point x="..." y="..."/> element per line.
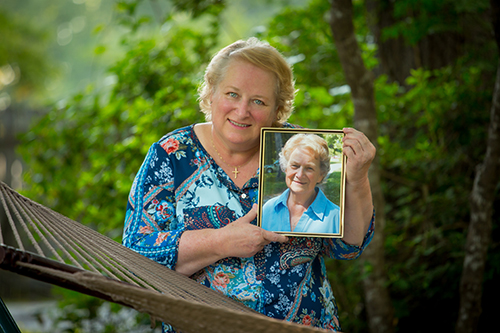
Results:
<point x="300" y="172"/>
<point x="243" y="107"/>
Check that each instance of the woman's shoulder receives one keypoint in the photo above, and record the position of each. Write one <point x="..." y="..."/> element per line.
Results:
<point x="323" y="201"/>
<point x="182" y="133"/>
<point x="281" y="198"/>
<point x="181" y="138"/>
<point x="288" y="125"/>
<point x="178" y="145"/>
<point x="269" y="204"/>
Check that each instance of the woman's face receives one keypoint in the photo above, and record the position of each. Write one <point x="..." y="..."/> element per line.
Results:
<point x="243" y="103"/>
<point x="303" y="172"/>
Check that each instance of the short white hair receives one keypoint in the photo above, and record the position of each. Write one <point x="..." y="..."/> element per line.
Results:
<point x="312" y="142"/>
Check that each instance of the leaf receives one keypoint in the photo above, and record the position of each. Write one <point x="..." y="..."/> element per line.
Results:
<point x="99" y="49"/>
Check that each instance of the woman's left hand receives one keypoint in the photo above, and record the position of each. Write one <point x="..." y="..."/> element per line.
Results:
<point x="360" y="153"/>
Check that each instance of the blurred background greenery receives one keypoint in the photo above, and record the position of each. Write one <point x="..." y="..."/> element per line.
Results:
<point x="86" y="86"/>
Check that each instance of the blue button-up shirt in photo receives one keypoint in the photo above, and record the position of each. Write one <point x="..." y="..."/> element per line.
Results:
<point x="322" y="216"/>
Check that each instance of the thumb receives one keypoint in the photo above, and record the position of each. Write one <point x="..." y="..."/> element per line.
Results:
<point x="274" y="237"/>
<point x="250" y="216"/>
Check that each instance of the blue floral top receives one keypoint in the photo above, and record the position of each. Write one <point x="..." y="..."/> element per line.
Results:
<point x="180" y="187"/>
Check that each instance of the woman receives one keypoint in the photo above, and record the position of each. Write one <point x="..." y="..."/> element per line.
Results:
<point x="192" y="203"/>
<point x="303" y="207"/>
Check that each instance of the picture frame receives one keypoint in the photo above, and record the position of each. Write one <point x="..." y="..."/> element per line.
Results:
<point x="324" y="216"/>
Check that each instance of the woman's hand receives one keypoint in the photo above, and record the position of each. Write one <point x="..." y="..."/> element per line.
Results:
<point x="243" y="239"/>
<point x="360" y="153"/>
<point x="203" y="247"/>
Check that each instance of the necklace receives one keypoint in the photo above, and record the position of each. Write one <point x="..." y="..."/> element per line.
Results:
<point x="235" y="171"/>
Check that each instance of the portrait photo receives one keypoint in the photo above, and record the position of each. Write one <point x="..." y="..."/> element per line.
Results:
<point x="301" y="182"/>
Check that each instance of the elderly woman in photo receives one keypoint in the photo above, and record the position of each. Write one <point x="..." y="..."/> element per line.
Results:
<point x="303" y="207"/>
<point x="192" y="206"/>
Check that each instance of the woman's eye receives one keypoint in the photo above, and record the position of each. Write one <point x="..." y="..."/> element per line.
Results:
<point x="233" y="94"/>
<point x="258" y="102"/>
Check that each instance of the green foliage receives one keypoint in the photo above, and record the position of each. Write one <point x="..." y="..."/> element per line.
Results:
<point x="200" y="7"/>
<point x="304" y="37"/>
<point x="83" y="155"/>
<point x="78" y="313"/>
<point x="315" y="107"/>
<point x="22" y="70"/>
<point x="332" y="186"/>
<point x="346" y="280"/>
<point x="423" y="18"/>
<point x="431" y="139"/>
<point x="334" y="144"/>
<point x="275" y="183"/>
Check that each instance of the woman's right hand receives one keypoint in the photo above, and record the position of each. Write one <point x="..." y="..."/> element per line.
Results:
<point x="243" y="239"/>
<point x="203" y="247"/>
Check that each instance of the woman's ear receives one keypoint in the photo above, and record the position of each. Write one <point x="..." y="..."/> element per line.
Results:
<point x="276" y="122"/>
<point x="277" y="110"/>
<point x="211" y="96"/>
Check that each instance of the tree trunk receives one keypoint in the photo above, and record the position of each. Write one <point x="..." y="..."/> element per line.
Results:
<point x="378" y="303"/>
<point x="482" y="196"/>
<point x="433" y="50"/>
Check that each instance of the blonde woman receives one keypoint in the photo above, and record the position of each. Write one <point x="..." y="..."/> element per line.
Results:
<point x="192" y="204"/>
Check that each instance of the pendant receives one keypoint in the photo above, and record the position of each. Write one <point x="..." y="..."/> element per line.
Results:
<point x="236" y="172"/>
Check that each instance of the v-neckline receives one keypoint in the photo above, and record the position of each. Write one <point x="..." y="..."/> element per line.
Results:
<point x="220" y="171"/>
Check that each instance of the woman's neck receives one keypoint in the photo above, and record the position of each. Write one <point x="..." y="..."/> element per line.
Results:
<point x="297" y="204"/>
<point x="233" y="153"/>
<point x="300" y="199"/>
<point x="239" y="163"/>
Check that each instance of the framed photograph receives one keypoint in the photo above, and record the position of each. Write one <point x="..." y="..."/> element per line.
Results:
<point x="301" y="182"/>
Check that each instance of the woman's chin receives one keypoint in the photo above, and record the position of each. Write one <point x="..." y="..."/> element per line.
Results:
<point x="300" y="190"/>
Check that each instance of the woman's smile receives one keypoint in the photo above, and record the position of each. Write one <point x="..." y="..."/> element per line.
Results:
<point x="238" y="124"/>
<point x="303" y="172"/>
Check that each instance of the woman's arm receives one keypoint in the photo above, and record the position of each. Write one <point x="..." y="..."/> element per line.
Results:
<point x="358" y="212"/>
<point x="200" y="248"/>
<point x="150" y="227"/>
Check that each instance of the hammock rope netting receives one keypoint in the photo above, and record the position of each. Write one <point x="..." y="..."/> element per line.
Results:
<point x="52" y="248"/>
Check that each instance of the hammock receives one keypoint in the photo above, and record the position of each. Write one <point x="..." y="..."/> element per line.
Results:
<point x="55" y="249"/>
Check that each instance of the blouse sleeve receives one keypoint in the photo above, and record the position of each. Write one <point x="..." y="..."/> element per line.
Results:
<point x="151" y="227"/>
<point x="336" y="248"/>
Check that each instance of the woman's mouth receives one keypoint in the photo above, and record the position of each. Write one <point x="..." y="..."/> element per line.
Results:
<point x="238" y="124"/>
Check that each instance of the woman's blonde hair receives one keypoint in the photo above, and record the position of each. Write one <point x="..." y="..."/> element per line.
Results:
<point x="314" y="143"/>
<point x="261" y="55"/>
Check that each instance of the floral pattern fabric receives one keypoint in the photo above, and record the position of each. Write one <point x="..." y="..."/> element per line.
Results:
<point x="179" y="187"/>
